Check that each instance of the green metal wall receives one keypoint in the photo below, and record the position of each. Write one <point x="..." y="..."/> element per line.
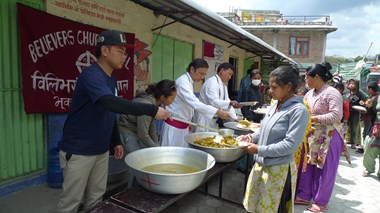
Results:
<point x="170" y="58"/>
<point x="22" y="146"/>
<point x="247" y="64"/>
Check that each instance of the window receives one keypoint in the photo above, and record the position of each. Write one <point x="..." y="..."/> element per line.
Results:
<point x="299" y="46"/>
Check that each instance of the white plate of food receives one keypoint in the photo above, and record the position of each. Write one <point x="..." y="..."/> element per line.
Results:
<point x="262" y="111"/>
<point x="359" y="108"/>
<point x="250" y="103"/>
<point x="247" y="125"/>
<point x="233" y="125"/>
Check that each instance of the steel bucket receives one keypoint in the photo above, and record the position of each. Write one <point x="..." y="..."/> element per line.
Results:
<point x="169" y="183"/>
<point x="221" y="155"/>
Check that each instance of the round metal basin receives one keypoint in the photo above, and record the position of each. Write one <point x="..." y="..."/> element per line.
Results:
<point x="169" y="183"/>
<point x="221" y="155"/>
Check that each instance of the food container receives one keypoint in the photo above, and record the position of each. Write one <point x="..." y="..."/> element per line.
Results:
<point x="169" y="183"/>
<point x="226" y="132"/>
<point x="221" y="155"/>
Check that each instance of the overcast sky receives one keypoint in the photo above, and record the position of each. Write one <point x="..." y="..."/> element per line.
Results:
<point x="358" y="21"/>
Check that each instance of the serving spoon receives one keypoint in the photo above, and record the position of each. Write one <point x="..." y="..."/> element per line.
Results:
<point x="195" y="124"/>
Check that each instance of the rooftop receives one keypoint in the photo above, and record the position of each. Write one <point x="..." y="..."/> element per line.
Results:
<point x="262" y="19"/>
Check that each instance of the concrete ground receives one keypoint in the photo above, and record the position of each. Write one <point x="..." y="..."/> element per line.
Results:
<point x="352" y="194"/>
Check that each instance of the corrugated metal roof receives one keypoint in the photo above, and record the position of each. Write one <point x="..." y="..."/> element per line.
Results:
<point x="203" y="19"/>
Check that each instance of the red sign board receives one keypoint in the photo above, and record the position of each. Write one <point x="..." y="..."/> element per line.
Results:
<point x="54" y="51"/>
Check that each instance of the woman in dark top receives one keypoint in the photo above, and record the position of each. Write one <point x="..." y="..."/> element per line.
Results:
<point x="253" y="93"/>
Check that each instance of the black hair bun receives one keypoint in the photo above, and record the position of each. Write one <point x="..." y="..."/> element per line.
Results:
<point x="295" y="70"/>
<point x="327" y="65"/>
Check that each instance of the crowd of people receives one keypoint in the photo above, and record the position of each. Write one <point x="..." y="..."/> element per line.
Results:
<point x="295" y="154"/>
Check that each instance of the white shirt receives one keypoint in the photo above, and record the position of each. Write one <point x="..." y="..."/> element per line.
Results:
<point x="186" y="102"/>
<point x="214" y="93"/>
<point x="183" y="106"/>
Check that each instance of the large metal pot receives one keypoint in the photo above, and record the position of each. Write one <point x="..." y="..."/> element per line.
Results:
<point x="169" y="183"/>
<point x="221" y="155"/>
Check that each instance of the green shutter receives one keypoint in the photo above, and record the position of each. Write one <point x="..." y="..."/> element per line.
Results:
<point x="157" y="59"/>
<point x="247" y="65"/>
<point x="22" y="142"/>
<point x="170" y="58"/>
<point x="183" y="56"/>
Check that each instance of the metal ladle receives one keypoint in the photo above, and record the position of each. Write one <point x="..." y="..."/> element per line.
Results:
<point x="195" y="124"/>
<point x="222" y="132"/>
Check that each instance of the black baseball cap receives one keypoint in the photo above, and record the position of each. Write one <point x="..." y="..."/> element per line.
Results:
<point x="111" y="37"/>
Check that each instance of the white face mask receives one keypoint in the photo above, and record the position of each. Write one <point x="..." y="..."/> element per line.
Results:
<point x="256" y="82"/>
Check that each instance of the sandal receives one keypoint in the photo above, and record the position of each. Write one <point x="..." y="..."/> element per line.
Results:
<point x="317" y="208"/>
<point x="366" y="173"/>
<point x="299" y="201"/>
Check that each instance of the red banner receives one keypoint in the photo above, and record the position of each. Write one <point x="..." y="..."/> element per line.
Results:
<point x="54" y="51"/>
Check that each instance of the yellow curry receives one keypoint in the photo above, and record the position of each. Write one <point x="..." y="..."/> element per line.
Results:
<point x="209" y="142"/>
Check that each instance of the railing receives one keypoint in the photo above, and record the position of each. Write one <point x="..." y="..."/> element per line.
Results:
<point x="287" y="20"/>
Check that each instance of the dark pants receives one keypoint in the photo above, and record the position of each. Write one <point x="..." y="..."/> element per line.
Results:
<point x="353" y="120"/>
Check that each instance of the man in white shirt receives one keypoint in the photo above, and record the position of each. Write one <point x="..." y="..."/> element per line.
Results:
<point x="184" y="105"/>
<point x="214" y="92"/>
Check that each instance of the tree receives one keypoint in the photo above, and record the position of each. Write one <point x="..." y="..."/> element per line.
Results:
<point x="367" y="58"/>
<point x="337" y="59"/>
<point x="358" y="58"/>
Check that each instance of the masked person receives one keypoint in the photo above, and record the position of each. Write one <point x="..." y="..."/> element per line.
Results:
<point x="253" y="93"/>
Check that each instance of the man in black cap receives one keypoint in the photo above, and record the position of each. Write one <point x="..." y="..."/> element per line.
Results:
<point x="91" y="128"/>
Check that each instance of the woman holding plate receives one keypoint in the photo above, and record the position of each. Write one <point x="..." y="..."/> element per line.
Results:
<point x="273" y="176"/>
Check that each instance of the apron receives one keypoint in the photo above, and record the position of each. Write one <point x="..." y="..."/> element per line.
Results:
<point x="319" y="143"/>
<point x="265" y="186"/>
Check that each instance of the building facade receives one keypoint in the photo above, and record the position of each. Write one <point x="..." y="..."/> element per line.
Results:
<point x="165" y="43"/>
<point x="302" y="38"/>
